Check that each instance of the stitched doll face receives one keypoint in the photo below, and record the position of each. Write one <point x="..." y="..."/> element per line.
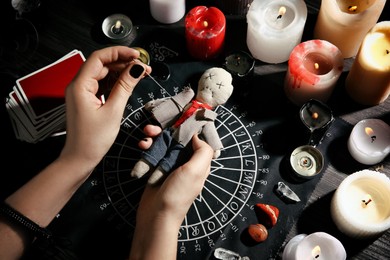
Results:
<point x="215" y="87"/>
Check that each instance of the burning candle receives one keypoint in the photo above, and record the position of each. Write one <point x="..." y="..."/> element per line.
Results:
<point x="368" y="81"/>
<point x="317" y="117"/>
<point x="167" y="11"/>
<point x="313" y="70"/>
<point x="241" y="65"/>
<point x="275" y="27"/>
<point x="345" y="23"/>
<point x="318" y="245"/>
<point x="205" y="32"/>
<point x="369" y="141"/>
<point x="119" y="28"/>
<point x="360" y="207"/>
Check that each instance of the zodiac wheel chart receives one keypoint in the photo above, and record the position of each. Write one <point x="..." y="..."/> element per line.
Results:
<point x="227" y="189"/>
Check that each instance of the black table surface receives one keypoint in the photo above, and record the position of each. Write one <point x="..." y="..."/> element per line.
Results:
<point x="62" y="26"/>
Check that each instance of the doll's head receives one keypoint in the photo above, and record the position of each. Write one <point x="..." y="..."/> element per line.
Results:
<point x="215" y="87"/>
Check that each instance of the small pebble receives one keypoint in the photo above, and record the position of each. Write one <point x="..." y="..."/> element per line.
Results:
<point x="258" y="232"/>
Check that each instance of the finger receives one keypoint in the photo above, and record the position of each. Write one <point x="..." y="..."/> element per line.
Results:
<point x="145" y="143"/>
<point x="124" y="86"/>
<point x="152" y="130"/>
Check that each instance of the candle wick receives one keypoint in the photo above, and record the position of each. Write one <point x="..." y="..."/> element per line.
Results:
<point x="373" y="138"/>
<point x="387" y="51"/>
<point x="366" y="202"/>
<point x="352" y="8"/>
<point x="317" y="256"/>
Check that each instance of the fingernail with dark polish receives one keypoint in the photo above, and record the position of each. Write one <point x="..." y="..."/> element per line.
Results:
<point x="136" y="71"/>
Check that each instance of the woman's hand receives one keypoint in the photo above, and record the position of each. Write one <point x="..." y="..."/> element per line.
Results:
<point x="91" y="125"/>
<point x="162" y="208"/>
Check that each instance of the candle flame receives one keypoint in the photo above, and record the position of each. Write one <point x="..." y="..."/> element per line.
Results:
<point x="316" y="251"/>
<point x="315" y="115"/>
<point x="205" y="23"/>
<point x="118" y="24"/>
<point x="366" y="201"/>
<point x="316" y="66"/>
<point x="370" y="132"/>
<point x="282" y="11"/>
<point x="352" y="8"/>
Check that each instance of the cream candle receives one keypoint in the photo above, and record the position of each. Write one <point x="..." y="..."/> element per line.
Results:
<point x="345" y="23"/>
<point x="274" y="28"/>
<point x="167" y="11"/>
<point x="368" y="81"/>
<point x="360" y="207"/>
<point x="369" y="141"/>
<point x="313" y="70"/>
<point x="318" y="245"/>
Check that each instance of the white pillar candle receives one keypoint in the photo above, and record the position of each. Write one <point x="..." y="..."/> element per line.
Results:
<point x="368" y="81"/>
<point x="275" y="27"/>
<point x="167" y="11"/>
<point x="318" y="245"/>
<point x="369" y="141"/>
<point x="313" y="70"/>
<point x="360" y="207"/>
<point x="345" y="23"/>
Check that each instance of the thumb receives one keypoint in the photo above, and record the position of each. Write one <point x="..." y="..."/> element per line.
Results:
<point x="125" y="84"/>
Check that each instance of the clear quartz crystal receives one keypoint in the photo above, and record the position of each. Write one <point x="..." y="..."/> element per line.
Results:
<point x="224" y="254"/>
<point x="285" y="192"/>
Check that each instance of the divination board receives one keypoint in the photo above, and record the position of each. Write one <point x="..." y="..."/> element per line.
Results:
<point x="259" y="129"/>
<point x="246" y="173"/>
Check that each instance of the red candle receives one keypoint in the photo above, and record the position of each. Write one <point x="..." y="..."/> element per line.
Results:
<point x="205" y="32"/>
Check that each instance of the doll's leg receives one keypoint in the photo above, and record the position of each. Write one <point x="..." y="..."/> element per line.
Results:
<point x="152" y="156"/>
<point x="176" y="155"/>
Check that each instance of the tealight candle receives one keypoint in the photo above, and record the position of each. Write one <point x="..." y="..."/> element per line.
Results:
<point x="275" y="27"/>
<point x="360" y="206"/>
<point x="205" y="32"/>
<point x="369" y="141"/>
<point x="306" y="162"/>
<point x="368" y="81"/>
<point x="313" y="70"/>
<point x="119" y="28"/>
<point x="167" y="11"/>
<point x="317" y="117"/>
<point x="318" y="245"/>
<point x="241" y="65"/>
<point x="345" y="23"/>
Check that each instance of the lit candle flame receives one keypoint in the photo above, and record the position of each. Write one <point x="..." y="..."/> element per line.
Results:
<point x="117" y="29"/>
<point x="282" y="11"/>
<point x="352" y="8"/>
<point x="316" y="252"/>
<point x="315" y="115"/>
<point x="366" y="201"/>
<point x="370" y="132"/>
<point x="205" y="23"/>
<point x="316" y="66"/>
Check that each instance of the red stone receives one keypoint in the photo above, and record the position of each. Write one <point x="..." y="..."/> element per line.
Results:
<point x="267" y="214"/>
<point x="258" y="232"/>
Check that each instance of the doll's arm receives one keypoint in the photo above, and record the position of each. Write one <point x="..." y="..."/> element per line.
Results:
<point x="211" y="137"/>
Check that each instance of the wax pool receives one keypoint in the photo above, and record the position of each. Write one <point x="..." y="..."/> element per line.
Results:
<point x="360" y="206"/>
<point x="313" y="70"/>
<point x="368" y="81"/>
<point x="275" y="27"/>
<point x="345" y="23"/>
